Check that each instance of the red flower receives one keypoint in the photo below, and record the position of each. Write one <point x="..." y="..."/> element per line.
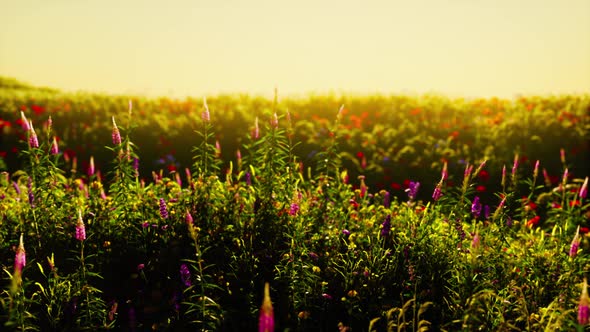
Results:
<point x="575" y="203"/>
<point x="584" y="230"/>
<point x="407" y="183"/>
<point x="480" y="189"/>
<point x="484" y="175"/>
<point x="360" y="155"/>
<point x="396" y="186"/>
<point x="38" y="109"/>
<point x="533" y="222"/>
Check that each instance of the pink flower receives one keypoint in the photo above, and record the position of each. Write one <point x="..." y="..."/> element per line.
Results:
<point x="91" y="167"/>
<point x="256" y="132"/>
<point x="575" y="244"/>
<point x="583" y="310"/>
<point x="116" y="135"/>
<point x="80" y="228"/>
<point x="54" y="147"/>
<point x="584" y="189"/>
<point x="205" y="116"/>
<point x="266" y="320"/>
<point x="33" y="140"/>
<point x="20" y="259"/>
<point x="274" y="121"/>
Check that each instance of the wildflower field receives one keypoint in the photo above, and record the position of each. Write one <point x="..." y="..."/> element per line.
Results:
<point x="325" y="213"/>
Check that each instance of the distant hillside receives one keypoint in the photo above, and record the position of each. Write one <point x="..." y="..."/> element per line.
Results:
<point x="13" y="83"/>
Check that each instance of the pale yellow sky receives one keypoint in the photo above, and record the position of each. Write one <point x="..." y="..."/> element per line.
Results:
<point x="177" y="48"/>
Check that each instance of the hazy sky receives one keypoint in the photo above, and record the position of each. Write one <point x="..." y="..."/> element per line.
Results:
<point x="178" y="48"/>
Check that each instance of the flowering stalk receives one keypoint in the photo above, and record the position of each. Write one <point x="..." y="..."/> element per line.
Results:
<point x="80" y="228"/>
<point x="575" y="244"/>
<point x="33" y="140"/>
<point x="163" y="209"/>
<point x="20" y="259"/>
<point x="584" y="189"/>
<point x="266" y="320"/>
<point x="583" y="309"/>
<point x="54" y="147"/>
<point x="116" y="135"/>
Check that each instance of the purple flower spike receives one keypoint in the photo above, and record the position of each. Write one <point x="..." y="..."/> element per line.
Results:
<point x="386" y="200"/>
<point x="437" y="194"/>
<point x="386" y="226"/>
<point x="163" y="209"/>
<point x="30" y="192"/>
<point x="413" y="190"/>
<point x="476" y="207"/>
<point x="345" y="232"/>
<point x="185" y="275"/>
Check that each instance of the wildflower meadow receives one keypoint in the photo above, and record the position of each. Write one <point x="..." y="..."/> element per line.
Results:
<point x="331" y="213"/>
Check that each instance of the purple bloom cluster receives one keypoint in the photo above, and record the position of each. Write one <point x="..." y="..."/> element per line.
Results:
<point x="386" y="226"/>
<point x="163" y="209"/>
<point x="476" y="207"/>
<point x="185" y="275"/>
<point x="31" y="193"/>
<point x="413" y="190"/>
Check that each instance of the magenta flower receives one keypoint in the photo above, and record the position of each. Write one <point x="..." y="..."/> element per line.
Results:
<point x="256" y="132"/>
<point x="205" y="116"/>
<point x="116" y="135"/>
<point x="583" y="310"/>
<point x="20" y="259"/>
<point x="266" y="319"/>
<point x="515" y="165"/>
<point x="91" y="167"/>
<point x="503" y="175"/>
<point x="445" y="172"/>
<point x="54" y="147"/>
<point x="33" y="140"/>
<point x="584" y="189"/>
<point x="163" y="209"/>
<point x="293" y="209"/>
<point x="575" y="244"/>
<point x="274" y="121"/>
<point x="24" y="122"/>
<point x="437" y="194"/>
<point x="562" y="155"/>
<point x="189" y="219"/>
<point x="536" y="169"/>
<point x="80" y="228"/>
